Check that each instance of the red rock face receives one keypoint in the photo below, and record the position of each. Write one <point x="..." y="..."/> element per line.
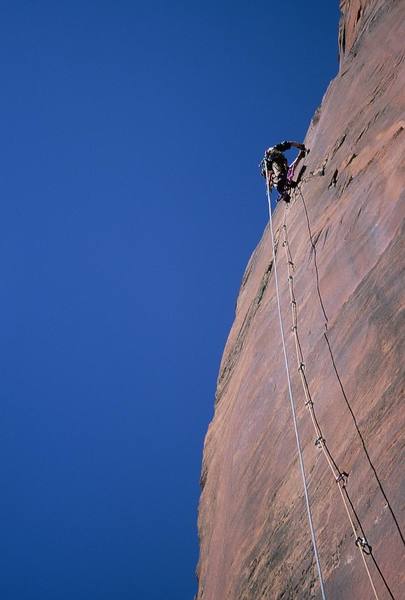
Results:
<point x="345" y="237"/>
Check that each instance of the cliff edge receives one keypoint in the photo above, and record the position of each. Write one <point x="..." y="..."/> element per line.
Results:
<point x="345" y="256"/>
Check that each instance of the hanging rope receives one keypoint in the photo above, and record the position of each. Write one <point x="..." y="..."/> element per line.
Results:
<point x="325" y="335"/>
<point x="339" y="476"/>
<point x="297" y="438"/>
<point x="313" y="246"/>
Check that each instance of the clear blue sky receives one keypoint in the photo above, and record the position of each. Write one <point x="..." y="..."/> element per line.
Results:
<point x="130" y="203"/>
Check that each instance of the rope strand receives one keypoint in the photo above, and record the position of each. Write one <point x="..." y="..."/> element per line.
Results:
<point x="336" y="472"/>
<point x="297" y="438"/>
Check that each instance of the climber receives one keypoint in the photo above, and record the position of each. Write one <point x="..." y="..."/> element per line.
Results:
<point x="279" y="173"/>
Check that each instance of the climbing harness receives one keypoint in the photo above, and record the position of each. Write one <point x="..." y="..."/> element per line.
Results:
<point x="340" y="477"/>
<point x="297" y="438"/>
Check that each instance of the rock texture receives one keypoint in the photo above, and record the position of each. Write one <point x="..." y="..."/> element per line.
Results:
<point x="348" y="259"/>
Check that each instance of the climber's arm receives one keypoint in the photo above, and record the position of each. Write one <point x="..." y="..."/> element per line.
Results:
<point x="289" y="145"/>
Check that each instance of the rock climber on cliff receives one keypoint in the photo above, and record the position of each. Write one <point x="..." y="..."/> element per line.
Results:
<point x="279" y="173"/>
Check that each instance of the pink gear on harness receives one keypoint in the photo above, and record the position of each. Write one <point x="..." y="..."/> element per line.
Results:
<point x="291" y="168"/>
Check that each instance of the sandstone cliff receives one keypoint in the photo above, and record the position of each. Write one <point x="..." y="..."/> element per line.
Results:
<point x="346" y="244"/>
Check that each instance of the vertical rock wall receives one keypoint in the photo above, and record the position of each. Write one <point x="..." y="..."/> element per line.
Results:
<point x="346" y="240"/>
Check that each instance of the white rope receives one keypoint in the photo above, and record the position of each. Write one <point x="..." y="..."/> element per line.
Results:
<point x="297" y="437"/>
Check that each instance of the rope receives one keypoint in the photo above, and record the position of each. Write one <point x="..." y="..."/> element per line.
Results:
<point x="339" y="476"/>
<point x="297" y="438"/>
<point x="325" y="334"/>
<point x="313" y="246"/>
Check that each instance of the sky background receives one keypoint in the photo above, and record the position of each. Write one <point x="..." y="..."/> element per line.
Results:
<point x="130" y="202"/>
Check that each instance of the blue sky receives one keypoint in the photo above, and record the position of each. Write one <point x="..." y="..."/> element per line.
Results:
<point x="130" y="204"/>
